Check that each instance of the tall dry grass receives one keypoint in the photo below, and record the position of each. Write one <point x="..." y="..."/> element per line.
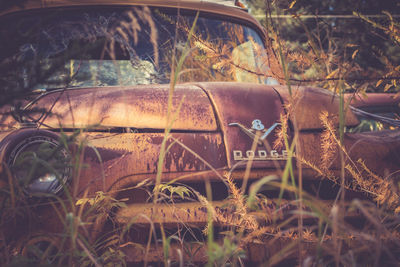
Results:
<point x="296" y="228"/>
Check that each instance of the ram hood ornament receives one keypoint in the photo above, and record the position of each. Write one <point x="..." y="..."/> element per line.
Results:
<point x="256" y="126"/>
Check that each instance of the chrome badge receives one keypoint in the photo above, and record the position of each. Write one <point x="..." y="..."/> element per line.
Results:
<point x="257" y="125"/>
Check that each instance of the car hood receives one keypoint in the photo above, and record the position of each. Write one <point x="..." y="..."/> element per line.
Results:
<point x="140" y="107"/>
<point x="195" y="107"/>
<point x="307" y="103"/>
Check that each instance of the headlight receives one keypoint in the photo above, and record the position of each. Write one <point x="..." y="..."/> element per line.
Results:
<point x="38" y="162"/>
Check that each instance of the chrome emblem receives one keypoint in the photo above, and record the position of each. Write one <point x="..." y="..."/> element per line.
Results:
<point x="258" y="126"/>
<point x="260" y="154"/>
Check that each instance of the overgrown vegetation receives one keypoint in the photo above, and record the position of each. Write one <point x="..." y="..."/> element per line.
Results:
<point x="295" y="227"/>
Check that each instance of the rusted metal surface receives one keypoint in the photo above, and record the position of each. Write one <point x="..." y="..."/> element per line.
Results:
<point x="373" y="99"/>
<point x="194" y="253"/>
<point x="197" y="252"/>
<point x="379" y="150"/>
<point x="242" y="104"/>
<point x="222" y="114"/>
<point x="258" y="251"/>
<point x="129" y="157"/>
<point x="196" y="213"/>
<point x="386" y="104"/>
<point x="308" y="103"/>
<point x="215" y="132"/>
<point x="143" y="107"/>
<point x="115" y="160"/>
<point x="144" y="213"/>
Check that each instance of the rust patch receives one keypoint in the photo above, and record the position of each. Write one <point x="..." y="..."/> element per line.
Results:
<point x="235" y="105"/>
<point x="91" y="154"/>
<point x="379" y="150"/>
<point x="143" y="107"/>
<point x="310" y="103"/>
<point x="207" y="147"/>
<point x="124" y="156"/>
<point x="195" y="213"/>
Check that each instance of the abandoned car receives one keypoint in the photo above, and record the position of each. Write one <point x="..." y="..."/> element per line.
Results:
<point x="104" y="95"/>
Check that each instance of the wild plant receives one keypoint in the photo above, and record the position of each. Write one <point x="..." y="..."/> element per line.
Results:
<point x="294" y="228"/>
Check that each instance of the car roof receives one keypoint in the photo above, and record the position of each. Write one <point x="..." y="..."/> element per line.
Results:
<point x="216" y="7"/>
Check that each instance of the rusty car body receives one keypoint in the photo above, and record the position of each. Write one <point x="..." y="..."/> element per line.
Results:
<point x="221" y="119"/>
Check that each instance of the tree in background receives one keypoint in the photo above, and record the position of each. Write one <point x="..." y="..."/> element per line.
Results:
<point x="357" y="41"/>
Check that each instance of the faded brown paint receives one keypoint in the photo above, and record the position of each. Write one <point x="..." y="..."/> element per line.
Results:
<point x="197" y="253"/>
<point x="132" y="157"/>
<point x="373" y="100"/>
<point x="379" y="150"/>
<point x="309" y="103"/>
<point x="195" y="213"/>
<point x="136" y="107"/>
<point x="114" y="161"/>
<point x="243" y="103"/>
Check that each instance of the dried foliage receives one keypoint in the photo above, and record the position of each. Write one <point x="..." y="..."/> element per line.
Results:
<point x="328" y="142"/>
<point x="251" y="218"/>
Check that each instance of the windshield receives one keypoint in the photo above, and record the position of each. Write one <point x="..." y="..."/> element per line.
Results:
<point x="120" y="47"/>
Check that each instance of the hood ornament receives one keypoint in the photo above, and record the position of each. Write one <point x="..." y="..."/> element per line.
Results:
<point x="256" y="125"/>
<point x="263" y="155"/>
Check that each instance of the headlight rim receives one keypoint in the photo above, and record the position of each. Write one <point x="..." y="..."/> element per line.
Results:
<point x="21" y="140"/>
